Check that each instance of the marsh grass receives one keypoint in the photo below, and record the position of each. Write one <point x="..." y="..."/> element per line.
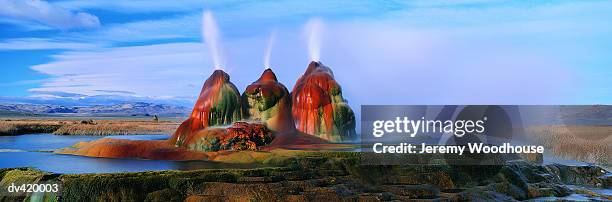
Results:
<point x="114" y="127"/>
<point x="86" y="127"/>
<point x="592" y="144"/>
<point x="11" y="127"/>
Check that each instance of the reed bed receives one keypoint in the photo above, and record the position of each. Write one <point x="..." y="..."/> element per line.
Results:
<point x="592" y="144"/>
<point x="87" y="127"/>
<point x="117" y="128"/>
<point x="10" y="127"/>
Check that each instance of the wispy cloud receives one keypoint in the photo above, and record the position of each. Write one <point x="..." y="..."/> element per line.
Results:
<point x="176" y="27"/>
<point x="44" y="44"/>
<point x="116" y="92"/>
<point x="56" y="94"/>
<point x="184" y="27"/>
<point x="163" y="70"/>
<point x="253" y="9"/>
<point x="22" y="82"/>
<point x="47" y="14"/>
<point x="443" y="52"/>
<point x="136" y="6"/>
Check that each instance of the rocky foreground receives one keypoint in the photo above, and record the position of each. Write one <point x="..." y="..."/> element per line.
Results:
<point x="326" y="176"/>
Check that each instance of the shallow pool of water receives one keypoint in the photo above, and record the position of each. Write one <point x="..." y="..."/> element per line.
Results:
<point x="35" y="151"/>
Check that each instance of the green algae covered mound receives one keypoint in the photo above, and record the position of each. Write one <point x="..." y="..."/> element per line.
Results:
<point x="318" y="106"/>
<point x="218" y="104"/>
<point x="268" y="101"/>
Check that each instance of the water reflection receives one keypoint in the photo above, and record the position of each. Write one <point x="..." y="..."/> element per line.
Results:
<point x="35" y="151"/>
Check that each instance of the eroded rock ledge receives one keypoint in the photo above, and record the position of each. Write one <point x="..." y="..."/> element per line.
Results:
<point x="330" y="176"/>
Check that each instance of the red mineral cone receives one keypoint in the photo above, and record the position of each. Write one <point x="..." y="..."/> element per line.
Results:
<point x="218" y="104"/>
<point x="268" y="101"/>
<point x="318" y="106"/>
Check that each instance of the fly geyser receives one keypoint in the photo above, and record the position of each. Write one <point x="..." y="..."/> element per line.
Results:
<point x="218" y="104"/>
<point x="265" y="117"/>
<point x="318" y="106"/>
<point x="268" y="101"/>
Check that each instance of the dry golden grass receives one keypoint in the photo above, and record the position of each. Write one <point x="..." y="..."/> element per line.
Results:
<point x="97" y="127"/>
<point x="114" y="127"/>
<point x="592" y="144"/>
<point x="9" y="127"/>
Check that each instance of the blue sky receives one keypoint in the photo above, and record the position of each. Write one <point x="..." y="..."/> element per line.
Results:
<point x="382" y="52"/>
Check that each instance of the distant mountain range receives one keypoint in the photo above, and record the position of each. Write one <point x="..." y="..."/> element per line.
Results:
<point x="64" y="99"/>
<point x="124" y="109"/>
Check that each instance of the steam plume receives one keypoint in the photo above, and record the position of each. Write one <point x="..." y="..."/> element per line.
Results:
<point x="313" y="29"/>
<point x="210" y="32"/>
<point x="269" y="50"/>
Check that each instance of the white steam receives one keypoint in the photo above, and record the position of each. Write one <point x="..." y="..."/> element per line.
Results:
<point x="210" y="32"/>
<point x="313" y="29"/>
<point x="269" y="50"/>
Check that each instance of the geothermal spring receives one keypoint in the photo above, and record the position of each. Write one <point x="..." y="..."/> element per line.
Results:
<point x="266" y="115"/>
